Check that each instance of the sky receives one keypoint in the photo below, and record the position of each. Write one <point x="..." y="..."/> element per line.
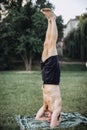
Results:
<point x="69" y="8"/>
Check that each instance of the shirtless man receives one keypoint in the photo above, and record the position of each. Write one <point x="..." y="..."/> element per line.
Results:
<point x="52" y="102"/>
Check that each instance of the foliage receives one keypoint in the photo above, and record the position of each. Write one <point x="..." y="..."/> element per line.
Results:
<point x="7" y="40"/>
<point x="60" y="26"/>
<point x="23" y="31"/>
<point x="43" y="4"/>
<point x="76" y="41"/>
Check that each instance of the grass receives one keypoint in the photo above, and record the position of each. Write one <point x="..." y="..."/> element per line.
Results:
<point x="20" y="93"/>
<point x="74" y="91"/>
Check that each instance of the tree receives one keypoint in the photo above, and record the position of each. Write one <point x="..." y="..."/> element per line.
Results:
<point x="70" y="44"/>
<point x="26" y="41"/>
<point x="25" y="26"/>
<point x="25" y="30"/>
<point x="76" y="41"/>
<point x="60" y="26"/>
<point x="83" y="39"/>
<point x="29" y="39"/>
<point x="7" y="39"/>
<point x="43" y="4"/>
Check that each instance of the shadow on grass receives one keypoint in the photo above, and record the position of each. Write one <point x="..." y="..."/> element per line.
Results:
<point x="16" y="127"/>
<point x="8" y="123"/>
<point x="13" y="126"/>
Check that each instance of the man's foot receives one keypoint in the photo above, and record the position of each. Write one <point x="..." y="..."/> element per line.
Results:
<point x="48" y="13"/>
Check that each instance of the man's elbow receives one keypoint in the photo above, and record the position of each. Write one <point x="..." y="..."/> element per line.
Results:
<point x="37" y="118"/>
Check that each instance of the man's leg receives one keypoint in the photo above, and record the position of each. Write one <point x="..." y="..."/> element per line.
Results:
<point x="47" y="41"/>
<point x="54" y="32"/>
<point x="48" y="36"/>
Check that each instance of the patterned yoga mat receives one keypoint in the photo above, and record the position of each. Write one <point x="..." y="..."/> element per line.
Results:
<point x="68" y="120"/>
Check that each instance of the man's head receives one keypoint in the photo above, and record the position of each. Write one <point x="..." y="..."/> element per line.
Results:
<point x="48" y="13"/>
<point x="48" y="115"/>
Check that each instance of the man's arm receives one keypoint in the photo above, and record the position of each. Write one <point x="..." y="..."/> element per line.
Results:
<point x="40" y="114"/>
<point x="43" y="115"/>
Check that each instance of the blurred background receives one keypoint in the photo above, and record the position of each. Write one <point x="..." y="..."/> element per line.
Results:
<point x="22" y="34"/>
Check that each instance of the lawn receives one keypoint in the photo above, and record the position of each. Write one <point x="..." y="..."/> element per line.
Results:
<point x="20" y="93"/>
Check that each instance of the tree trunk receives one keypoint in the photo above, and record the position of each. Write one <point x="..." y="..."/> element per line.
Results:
<point x="26" y="65"/>
<point x="30" y="63"/>
<point x="27" y="62"/>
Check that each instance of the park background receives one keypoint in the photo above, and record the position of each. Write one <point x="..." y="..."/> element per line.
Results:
<point x="22" y="34"/>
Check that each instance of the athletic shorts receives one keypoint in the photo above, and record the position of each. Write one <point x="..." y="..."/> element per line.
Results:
<point x="51" y="70"/>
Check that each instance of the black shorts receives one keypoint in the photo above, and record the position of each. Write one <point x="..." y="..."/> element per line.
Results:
<point x="51" y="70"/>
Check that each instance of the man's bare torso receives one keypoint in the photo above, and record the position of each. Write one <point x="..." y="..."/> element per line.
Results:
<point x="51" y="97"/>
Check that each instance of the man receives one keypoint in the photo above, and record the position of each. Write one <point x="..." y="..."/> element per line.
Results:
<point x="52" y="102"/>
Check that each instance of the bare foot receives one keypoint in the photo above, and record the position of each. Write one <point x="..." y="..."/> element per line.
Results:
<point x="48" y="13"/>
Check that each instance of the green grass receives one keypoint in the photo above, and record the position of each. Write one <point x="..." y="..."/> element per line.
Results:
<point x="74" y="91"/>
<point x="20" y="93"/>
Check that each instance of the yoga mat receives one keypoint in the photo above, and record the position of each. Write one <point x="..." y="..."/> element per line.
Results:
<point x="68" y="120"/>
